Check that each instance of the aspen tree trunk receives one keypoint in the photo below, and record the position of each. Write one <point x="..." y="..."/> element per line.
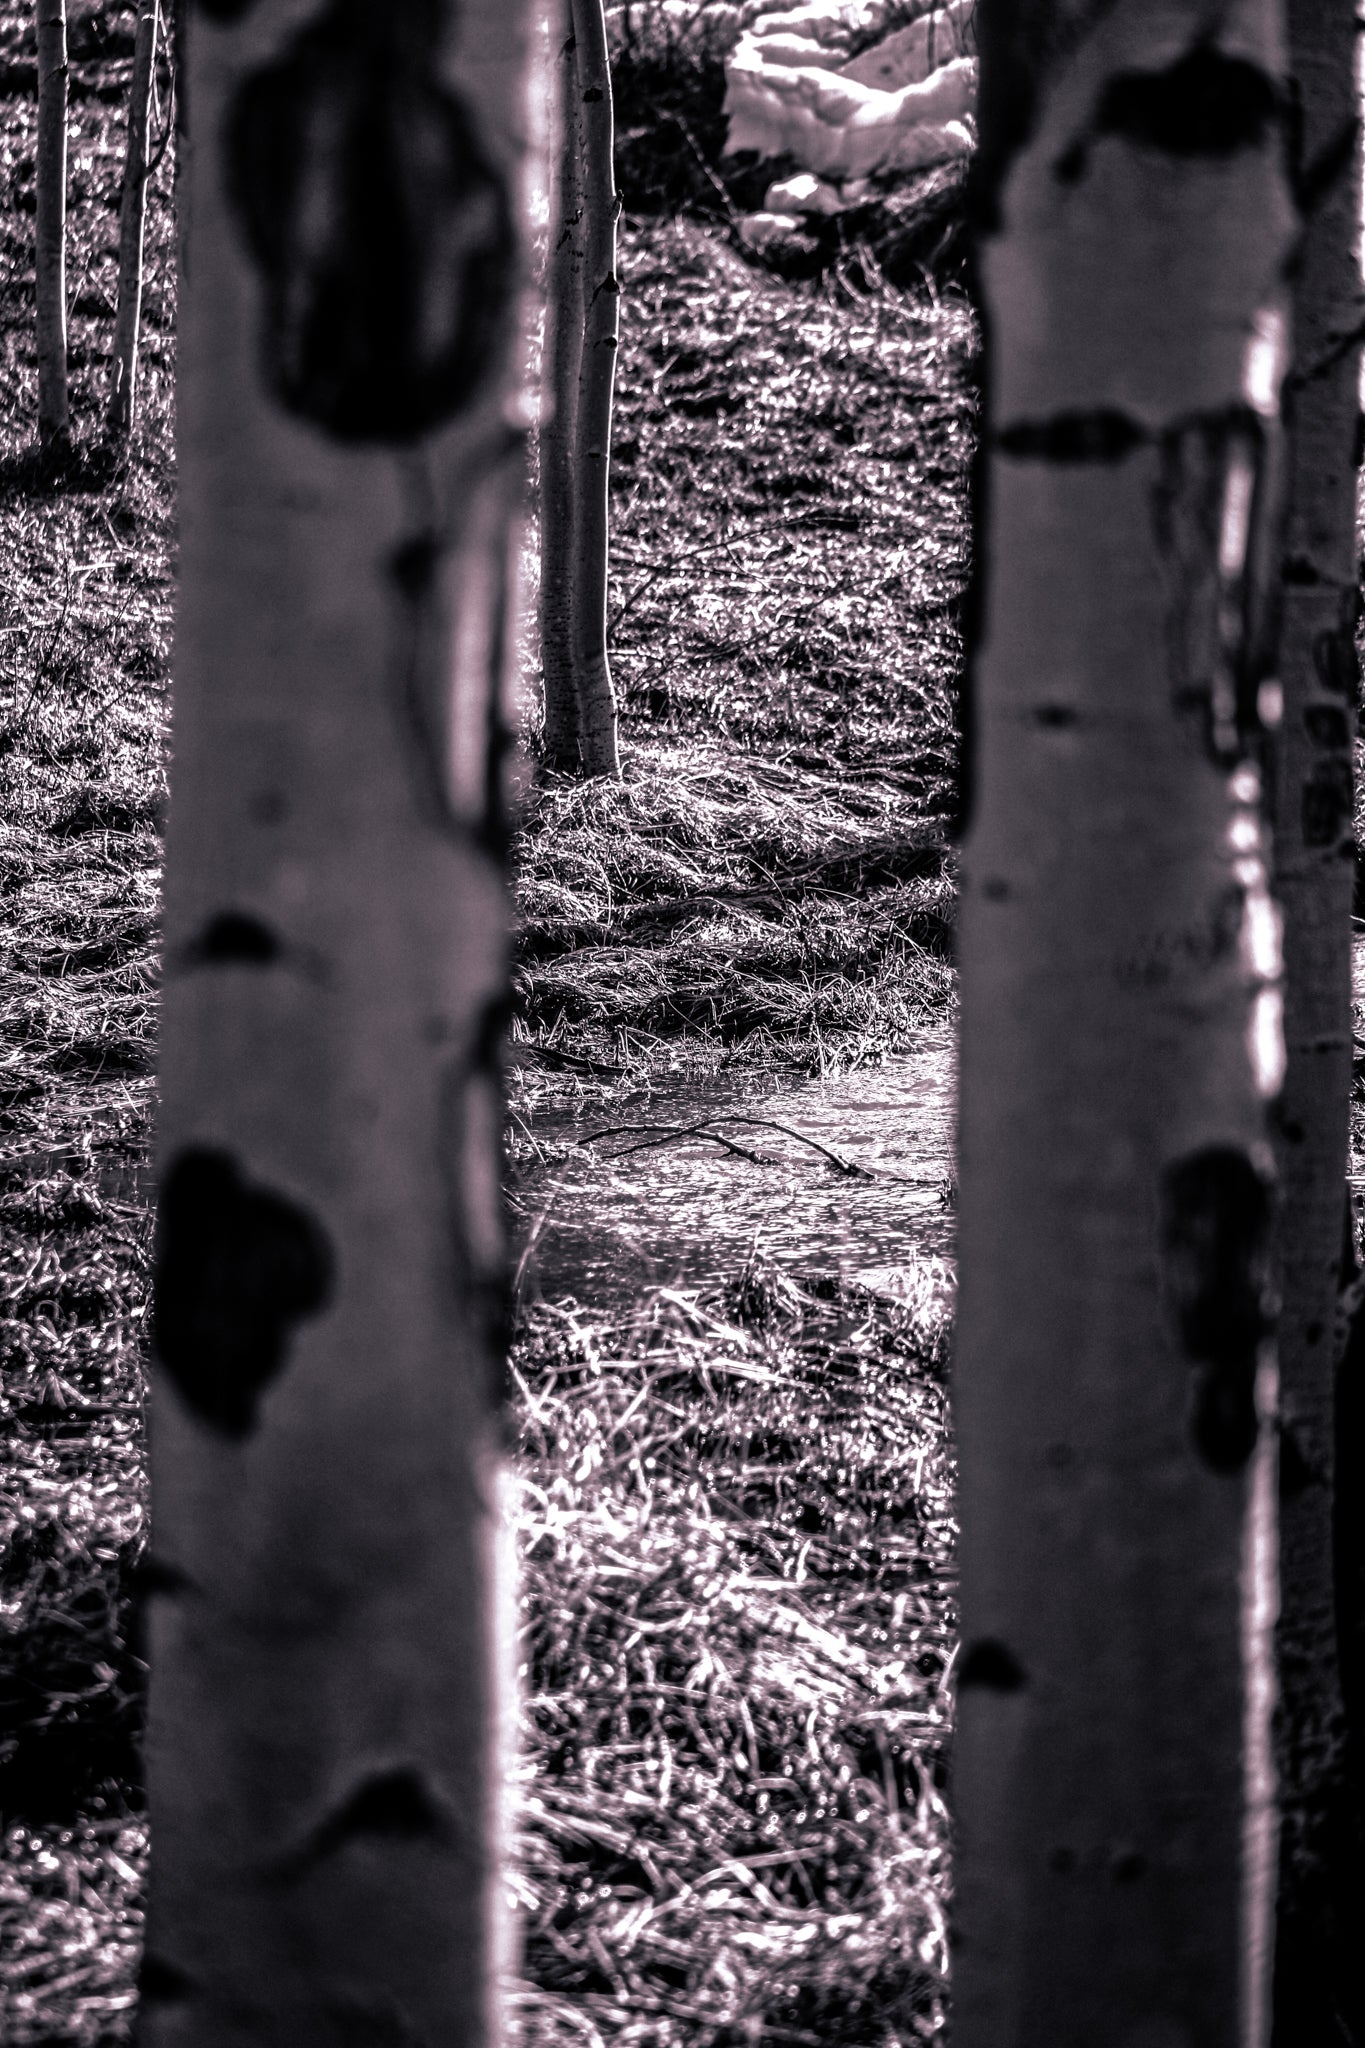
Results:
<point x="132" y="221"/>
<point x="1120" y="1039"/>
<point x="1320" y="1954"/>
<point x="328" y="1627"/>
<point x="54" y="425"/>
<point x="563" y="359"/>
<point x="596" y="384"/>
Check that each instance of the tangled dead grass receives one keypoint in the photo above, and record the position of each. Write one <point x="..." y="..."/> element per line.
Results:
<point x="770" y="885"/>
<point x="71" y="1932"/>
<point x="85" y="620"/>
<point x="720" y="907"/>
<point x="738" y="1645"/>
<point x="72" y="1841"/>
<point x="790" y="535"/>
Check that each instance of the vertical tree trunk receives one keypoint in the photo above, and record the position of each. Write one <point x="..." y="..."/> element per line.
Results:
<point x="1320" y="1957"/>
<point x="50" y="262"/>
<point x="563" y="359"/>
<point x="596" y="384"/>
<point x="1120" y="1039"/>
<point x="328" y="1623"/>
<point x="132" y="220"/>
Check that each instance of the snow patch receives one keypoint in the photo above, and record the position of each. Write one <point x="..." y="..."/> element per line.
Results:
<point x="904" y="103"/>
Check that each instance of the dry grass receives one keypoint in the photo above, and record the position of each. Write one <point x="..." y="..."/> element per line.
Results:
<point x="85" y="620"/>
<point x="71" y="1933"/>
<point x="738" y="1647"/>
<point x="770" y="884"/>
<point x="722" y="907"/>
<point x="790" y="537"/>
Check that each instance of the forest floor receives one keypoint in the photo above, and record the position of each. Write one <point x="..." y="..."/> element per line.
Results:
<point x="736" y="1521"/>
<point x="737" y="1530"/>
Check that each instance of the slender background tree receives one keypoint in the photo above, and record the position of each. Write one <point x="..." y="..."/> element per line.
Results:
<point x="582" y="324"/>
<point x="328" y="1625"/>
<point x="54" y="425"/>
<point x="1120" y="1039"/>
<point x="563" y="357"/>
<point x="132" y="223"/>
<point x="596" y="385"/>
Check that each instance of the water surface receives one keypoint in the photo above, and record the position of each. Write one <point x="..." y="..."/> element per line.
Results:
<point x="607" y="1211"/>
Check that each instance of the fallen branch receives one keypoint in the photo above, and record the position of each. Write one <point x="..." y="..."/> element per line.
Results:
<point x="664" y="1134"/>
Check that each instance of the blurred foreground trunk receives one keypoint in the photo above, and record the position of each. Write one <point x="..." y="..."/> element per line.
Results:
<point x="131" y="227"/>
<point x="330" y="1622"/>
<point x="1320" y="1956"/>
<point x="1121" y="1037"/>
<point x="50" y="226"/>
<point x="582" y="322"/>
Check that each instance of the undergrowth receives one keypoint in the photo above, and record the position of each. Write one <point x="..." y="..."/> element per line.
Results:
<point x="85" y="623"/>
<point x="738" y="1645"/>
<point x="771" y="883"/>
<point x="725" y="908"/>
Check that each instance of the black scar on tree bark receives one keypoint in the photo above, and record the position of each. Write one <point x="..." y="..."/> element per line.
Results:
<point x="382" y="232"/>
<point x="1215" y="1211"/>
<point x="236" y="1267"/>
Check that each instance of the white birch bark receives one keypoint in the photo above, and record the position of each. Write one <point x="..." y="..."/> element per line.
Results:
<point x="132" y="223"/>
<point x="597" y="720"/>
<point x="564" y="308"/>
<point x="50" y="225"/>
<point x="1120" y="1039"/>
<point x="1320" y="1963"/>
<point x="328" y="1618"/>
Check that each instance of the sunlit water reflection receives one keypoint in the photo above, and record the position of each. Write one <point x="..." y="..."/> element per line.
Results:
<point x="602" y="1217"/>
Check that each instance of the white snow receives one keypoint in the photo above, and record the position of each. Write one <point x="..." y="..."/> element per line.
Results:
<point x="902" y="104"/>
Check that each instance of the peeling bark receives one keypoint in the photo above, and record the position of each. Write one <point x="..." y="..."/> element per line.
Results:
<point x="329" y="1606"/>
<point x="1120" y="1037"/>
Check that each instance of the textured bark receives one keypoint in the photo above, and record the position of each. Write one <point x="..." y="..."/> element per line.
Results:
<point x="563" y="360"/>
<point x="329" y="1625"/>
<point x="1120" y="1040"/>
<point x="132" y="222"/>
<point x="1320" y="1958"/>
<point x="50" y="258"/>
<point x="596" y="384"/>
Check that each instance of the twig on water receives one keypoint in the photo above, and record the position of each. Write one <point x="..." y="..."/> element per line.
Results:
<point x="650" y="1135"/>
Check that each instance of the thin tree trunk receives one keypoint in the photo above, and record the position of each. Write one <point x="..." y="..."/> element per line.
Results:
<point x="563" y="357"/>
<point x="1120" y="1040"/>
<point x="132" y="221"/>
<point x="597" y="377"/>
<point x="54" y="426"/>
<point x="330" y="1618"/>
<point x="1320" y="1956"/>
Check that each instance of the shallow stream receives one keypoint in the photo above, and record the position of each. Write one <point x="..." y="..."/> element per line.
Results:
<point x="613" y="1202"/>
